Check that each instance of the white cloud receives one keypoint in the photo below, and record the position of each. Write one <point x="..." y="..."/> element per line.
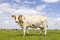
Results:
<point x="41" y="7"/>
<point x="1" y="12"/>
<point x="17" y="0"/>
<point x="53" y="21"/>
<point x="28" y="2"/>
<point x="29" y="11"/>
<point x="6" y="22"/>
<point x="5" y="7"/>
<point x="26" y="11"/>
<point x="51" y="1"/>
<point x="58" y="19"/>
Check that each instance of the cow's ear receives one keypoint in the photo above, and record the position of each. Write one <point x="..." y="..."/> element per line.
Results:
<point x="20" y="15"/>
<point x="12" y="15"/>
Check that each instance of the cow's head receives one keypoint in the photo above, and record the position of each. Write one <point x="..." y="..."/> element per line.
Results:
<point x="18" y="18"/>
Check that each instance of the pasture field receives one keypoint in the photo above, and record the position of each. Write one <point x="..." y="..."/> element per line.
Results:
<point x="18" y="35"/>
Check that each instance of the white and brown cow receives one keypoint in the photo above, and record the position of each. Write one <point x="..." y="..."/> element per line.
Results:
<point x="36" y="21"/>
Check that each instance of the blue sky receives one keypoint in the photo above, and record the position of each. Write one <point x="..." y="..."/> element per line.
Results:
<point x="49" y="8"/>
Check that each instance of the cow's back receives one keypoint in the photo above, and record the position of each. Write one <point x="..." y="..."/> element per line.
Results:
<point x="36" y="19"/>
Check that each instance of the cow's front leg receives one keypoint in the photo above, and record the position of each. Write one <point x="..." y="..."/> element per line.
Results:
<point x="27" y="30"/>
<point x="24" y="30"/>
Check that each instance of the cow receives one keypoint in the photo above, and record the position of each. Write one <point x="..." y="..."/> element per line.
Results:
<point x="35" y="21"/>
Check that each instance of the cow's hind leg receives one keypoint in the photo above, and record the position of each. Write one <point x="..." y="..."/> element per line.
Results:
<point x="45" y="27"/>
<point x="41" y="29"/>
<point x="45" y="31"/>
<point x="40" y="32"/>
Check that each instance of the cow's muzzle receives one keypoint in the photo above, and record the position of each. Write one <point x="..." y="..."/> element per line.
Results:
<point x="16" y="21"/>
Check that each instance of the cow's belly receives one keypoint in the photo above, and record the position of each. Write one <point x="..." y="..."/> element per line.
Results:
<point x="33" y="25"/>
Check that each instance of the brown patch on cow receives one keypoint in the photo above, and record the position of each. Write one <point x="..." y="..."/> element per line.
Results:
<point x="20" y="19"/>
<point x="33" y="25"/>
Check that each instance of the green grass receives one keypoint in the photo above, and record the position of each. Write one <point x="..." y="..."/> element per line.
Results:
<point x="18" y="35"/>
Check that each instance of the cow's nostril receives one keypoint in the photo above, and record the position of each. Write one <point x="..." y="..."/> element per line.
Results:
<point x="16" y="21"/>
